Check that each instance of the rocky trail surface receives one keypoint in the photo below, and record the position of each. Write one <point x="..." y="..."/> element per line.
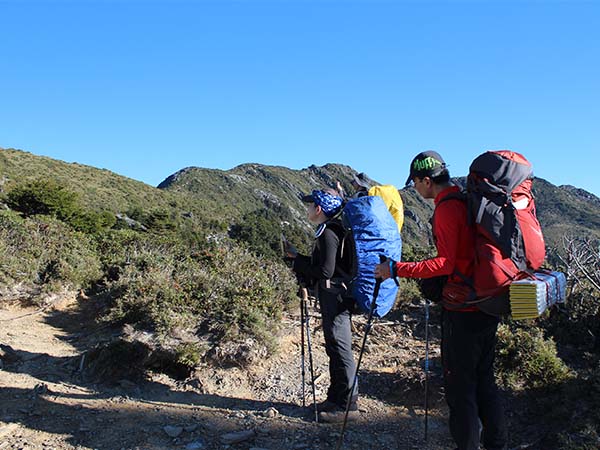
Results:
<point x="46" y="402"/>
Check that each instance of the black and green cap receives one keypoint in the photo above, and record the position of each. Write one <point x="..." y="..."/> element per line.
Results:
<point x="426" y="164"/>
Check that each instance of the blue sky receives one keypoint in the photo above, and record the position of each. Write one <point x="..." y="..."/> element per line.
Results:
<point x="147" y="88"/>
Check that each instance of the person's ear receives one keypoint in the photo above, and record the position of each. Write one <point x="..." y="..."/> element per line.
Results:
<point x="427" y="181"/>
<point x="318" y="209"/>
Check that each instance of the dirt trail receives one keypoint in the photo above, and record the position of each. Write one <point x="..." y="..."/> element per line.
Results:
<point x="46" y="404"/>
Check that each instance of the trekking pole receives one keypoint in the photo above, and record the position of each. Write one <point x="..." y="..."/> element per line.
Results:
<point x="362" y="349"/>
<point x="426" y="367"/>
<point x="310" y="358"/>
<point x="303" y="294"/>
<point x="302" y="355"/>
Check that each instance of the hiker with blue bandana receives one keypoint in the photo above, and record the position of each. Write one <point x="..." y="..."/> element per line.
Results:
<point x="324" y="270"/>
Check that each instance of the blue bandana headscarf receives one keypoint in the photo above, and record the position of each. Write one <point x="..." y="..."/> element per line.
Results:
<point x="329" y="203"/>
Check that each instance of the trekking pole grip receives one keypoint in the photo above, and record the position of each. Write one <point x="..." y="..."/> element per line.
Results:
<point x="378" y="281"/>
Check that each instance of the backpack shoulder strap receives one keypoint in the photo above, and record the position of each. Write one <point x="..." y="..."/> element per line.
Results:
<point x="335" y="225"/>
<point x="459" y="195"/>
<point x="344" y="236"/>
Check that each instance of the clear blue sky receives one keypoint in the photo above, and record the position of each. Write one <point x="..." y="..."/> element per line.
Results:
<point x="147" y="88"/>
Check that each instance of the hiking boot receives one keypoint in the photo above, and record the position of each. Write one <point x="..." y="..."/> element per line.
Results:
<point x="337" y="416"/>
<point x="327" y="405"/>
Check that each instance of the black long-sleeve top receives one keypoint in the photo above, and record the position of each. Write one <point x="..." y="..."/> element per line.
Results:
<point x="321" y="265"/>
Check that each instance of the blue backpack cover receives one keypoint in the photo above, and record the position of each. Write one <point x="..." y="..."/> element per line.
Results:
<point x="374" y="232"/>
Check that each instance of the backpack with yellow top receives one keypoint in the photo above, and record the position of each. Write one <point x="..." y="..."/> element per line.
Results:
<point x="393" y="201"/>
<point x="389" y="194"/>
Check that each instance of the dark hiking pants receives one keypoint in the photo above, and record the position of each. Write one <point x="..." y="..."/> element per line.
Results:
<point x="338" y="345"/>
<point x="468" y="346"/>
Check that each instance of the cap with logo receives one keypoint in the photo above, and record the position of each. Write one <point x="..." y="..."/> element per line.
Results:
<point x="426" y="164"/>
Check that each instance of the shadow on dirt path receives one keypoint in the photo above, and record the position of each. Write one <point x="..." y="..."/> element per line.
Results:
<point x="45" y="395"/>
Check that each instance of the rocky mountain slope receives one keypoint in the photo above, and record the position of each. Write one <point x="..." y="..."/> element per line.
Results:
<point x="561" y="209"/>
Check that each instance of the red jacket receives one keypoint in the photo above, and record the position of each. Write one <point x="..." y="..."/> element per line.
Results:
<point x="454" y="242"/>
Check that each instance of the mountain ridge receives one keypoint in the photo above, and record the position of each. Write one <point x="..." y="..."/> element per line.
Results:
<point x="227" y="195"/>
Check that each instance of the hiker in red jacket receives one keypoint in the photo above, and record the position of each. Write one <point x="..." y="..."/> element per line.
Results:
<point x="468" y="335"/>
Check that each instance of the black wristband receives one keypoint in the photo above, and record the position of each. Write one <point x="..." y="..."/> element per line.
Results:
<point x="393" y="272"/>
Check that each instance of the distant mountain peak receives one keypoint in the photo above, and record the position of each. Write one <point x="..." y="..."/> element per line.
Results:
<point x="176" y="176"/>
<point x="581" y="193"/>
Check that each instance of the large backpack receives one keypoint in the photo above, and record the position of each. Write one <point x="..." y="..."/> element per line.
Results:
<point x="370" y="232"/>
<point x="391" y="197"/>
<point x="508" y="238"/>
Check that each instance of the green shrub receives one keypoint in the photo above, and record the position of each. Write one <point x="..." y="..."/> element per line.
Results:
<point x="416" y="252"/>
<point x="163" y="285"/>
<point x="45" y="252"/>
<point x="160" y="220"/>
<point x="578" y="322"/>
<point x="408" y="292"/>
<point x="48" y="197"/>
<point x="91" y="222"/>
<point x="189" y="354"/>
<point x="261" y="231"/>
<point x="242" y="292"/>
<point x="155" y="219"/>
<point x="526" y="359"/>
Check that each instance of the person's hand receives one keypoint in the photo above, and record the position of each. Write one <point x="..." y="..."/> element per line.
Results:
<point x="289" y="250"/>
<point x="383" y="270"/>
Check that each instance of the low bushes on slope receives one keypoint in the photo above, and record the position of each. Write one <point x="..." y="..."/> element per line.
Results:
<point x="525" y="358"/>
<point x="44" y="253"/>
<point x="159" y="284"/>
